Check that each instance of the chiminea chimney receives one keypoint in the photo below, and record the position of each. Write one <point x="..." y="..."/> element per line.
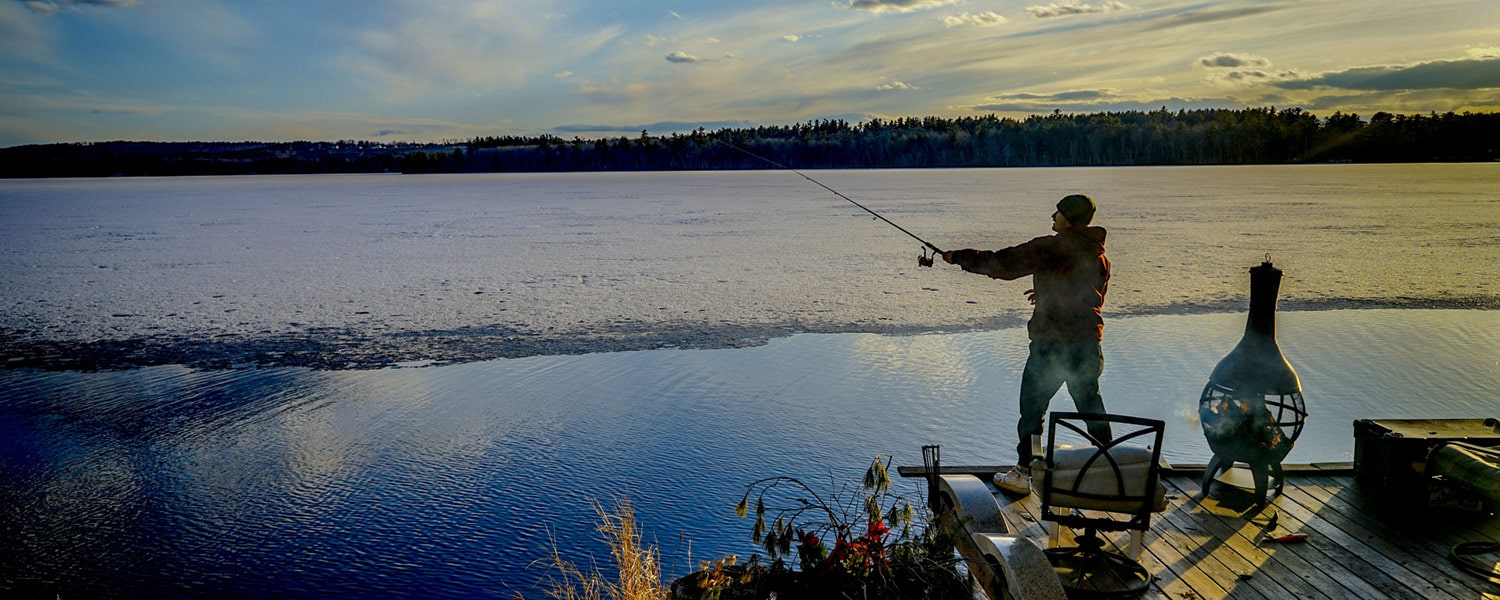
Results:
<point x="1252" y="409"/>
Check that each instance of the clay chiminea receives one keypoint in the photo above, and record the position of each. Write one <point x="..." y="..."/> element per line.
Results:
<point x="1252" y="409"/>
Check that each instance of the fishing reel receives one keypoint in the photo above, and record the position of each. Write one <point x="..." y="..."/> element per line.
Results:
<point x="925" y="260"/>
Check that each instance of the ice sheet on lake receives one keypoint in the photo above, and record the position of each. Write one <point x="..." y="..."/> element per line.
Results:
<point x="362" y="271"/>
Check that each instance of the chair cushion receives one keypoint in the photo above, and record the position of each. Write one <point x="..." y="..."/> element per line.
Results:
<point x="1100" y="487"/>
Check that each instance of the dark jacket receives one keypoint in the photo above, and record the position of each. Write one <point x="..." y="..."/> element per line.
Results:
<point x="1069" y="273"/>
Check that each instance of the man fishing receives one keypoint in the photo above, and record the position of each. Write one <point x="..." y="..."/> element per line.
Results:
<point x="1070" y="276"/>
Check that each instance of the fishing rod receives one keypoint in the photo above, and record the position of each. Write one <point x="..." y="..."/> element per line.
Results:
<point x="924" y="260"/>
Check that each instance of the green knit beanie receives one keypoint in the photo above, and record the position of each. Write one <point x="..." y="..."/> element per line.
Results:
<point x="1078" y="209"/>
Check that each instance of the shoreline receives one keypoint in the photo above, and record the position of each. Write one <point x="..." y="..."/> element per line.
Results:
<point x="366" y="348"/>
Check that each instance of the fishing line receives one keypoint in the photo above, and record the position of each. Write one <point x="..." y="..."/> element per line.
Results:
<point x="924" y="260"/>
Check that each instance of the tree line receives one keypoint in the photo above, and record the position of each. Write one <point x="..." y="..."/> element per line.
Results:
<point x="1161" y="137"/>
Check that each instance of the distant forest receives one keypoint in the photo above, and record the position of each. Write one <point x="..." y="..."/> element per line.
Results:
<point x="1162" y="137"/>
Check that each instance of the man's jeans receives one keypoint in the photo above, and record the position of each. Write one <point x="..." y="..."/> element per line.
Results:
<point x="1050" y="365"/>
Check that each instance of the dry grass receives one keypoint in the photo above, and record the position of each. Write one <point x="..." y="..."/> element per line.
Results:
<point x="638" y="567"/>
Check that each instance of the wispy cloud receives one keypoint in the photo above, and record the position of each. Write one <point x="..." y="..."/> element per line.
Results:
<point x="25" y="38"/>
<point x="1233" y="61"/>
<point x="898" y="6"/>
<point x="415" y="51"/>
<point x="985" y="19"/>
<point x="1065" y="9"/>
<point x="656" y="128"/>
<point x="1483" y="51"/>
<point x="79" y="105"/>
<point x="1466" y="74"/>
<point x="896" y="85"/>
<point x="48" y="7"/>
<point x="1097" y="100"/>
<point x="1212" y="14"/>
<point x="100" y="69"/>
<point x="1238" y="69"/>
<point x="1071" y="96"/>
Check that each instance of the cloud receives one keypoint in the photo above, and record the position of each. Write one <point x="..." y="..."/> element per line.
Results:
<point x="78" y="105"/>
<point x="1214" y="15"/>
<point x="43" y="8"/>
<point x="1095" y="100"/>
<point x="48" y="7"/>
<point x="897" y="6"/>
<point x="985" y="19"/>
<point x="653" y="41"/>
<point x="414" y="52"/>
<point x="682" y="57"/>
<point x="1250" y="76"/>
<point x="1240" y="69"/>
<point x="1464" y="74"/>
<point x="24" y="37"/>
<point x="896" y="85"/>
<point x="563" y="74"/>
<point x="1069" y="8"/>
<point x="657" y="128"/>
<point x="618" y="94"/>
<point x="1483" y="52"/>
<point x="791" y="37"/>
<point x="1068" y="97"/>
<point x="1228" y="60"/>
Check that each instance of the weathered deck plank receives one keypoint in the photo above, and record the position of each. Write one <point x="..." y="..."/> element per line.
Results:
<point x="1307" y="569"/>
<point x="1213" y="549"/>
<point x="1242" y="567"/>
<point x="1187" y="560"/>
<point x="1411" y="538"/>
<point x="1374" y="556"/>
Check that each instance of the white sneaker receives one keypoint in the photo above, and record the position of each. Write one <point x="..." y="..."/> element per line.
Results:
<point x="1016" y="481"/>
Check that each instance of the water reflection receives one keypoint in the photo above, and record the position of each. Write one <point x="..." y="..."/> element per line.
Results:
<point x="450" y="481"/>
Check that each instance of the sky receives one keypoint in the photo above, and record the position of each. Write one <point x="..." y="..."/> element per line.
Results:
<point x="435" y="70"/>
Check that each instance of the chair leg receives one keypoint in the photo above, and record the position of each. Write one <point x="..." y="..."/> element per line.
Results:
<point x="1055" y="537"/>
<point x="1137" y="544"/>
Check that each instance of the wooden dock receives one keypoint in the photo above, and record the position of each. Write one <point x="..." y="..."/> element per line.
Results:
<point x="1356" y="547"/>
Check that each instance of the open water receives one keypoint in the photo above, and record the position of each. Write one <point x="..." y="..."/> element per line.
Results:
<point x="670" y="338"/>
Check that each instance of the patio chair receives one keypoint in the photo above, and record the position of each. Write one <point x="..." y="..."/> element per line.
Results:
<point x="1106" y="486"/>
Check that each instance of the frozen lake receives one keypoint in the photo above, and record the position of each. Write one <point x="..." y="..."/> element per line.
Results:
<point x="374" y="270"/>
<point x="520" y="294"/>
